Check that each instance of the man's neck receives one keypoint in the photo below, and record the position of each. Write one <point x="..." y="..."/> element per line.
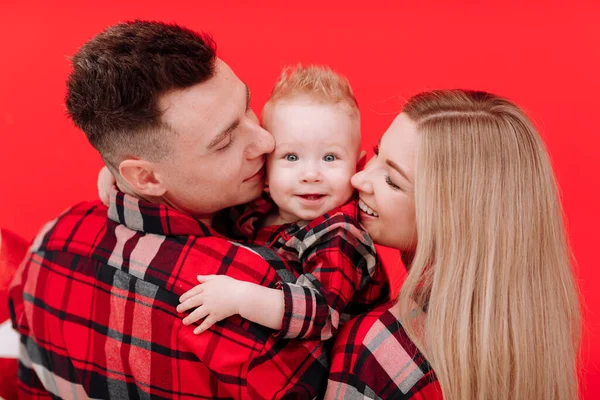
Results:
<point x="206" y="219"/>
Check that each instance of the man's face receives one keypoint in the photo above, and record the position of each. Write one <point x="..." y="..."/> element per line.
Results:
<point x="218" y="147"/>
<point x="317" y="148"/>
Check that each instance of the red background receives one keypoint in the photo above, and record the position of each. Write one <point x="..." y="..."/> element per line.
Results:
<point x="544" y="55"/>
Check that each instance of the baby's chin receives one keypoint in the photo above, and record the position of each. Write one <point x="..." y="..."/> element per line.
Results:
<point x="310" y="215"/>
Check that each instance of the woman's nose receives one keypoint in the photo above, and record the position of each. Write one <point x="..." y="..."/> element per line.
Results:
<point x="360" y="181"/>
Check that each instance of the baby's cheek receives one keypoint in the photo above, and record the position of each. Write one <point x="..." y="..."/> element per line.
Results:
<point x="278" y="179"/>
<point x="342" y="180"/>
<point x="344" y="193"/>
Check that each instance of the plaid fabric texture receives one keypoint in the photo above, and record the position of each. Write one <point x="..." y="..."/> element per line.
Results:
<point x="373" y="358"/>
<point x="338" y="275"/>
<point x="95" y="301"/>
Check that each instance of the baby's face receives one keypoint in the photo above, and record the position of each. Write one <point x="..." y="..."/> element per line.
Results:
<point x="316" y="150"/>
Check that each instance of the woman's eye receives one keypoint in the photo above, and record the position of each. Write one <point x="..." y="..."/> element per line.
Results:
<point x="291" y="157"/>
<point x="329" y="158"/>
<point x="392" y="184"/>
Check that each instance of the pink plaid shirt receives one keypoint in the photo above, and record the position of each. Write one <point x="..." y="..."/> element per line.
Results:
<point x="373" y="358"/>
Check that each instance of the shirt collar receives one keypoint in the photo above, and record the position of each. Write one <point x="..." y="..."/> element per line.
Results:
<point x="143" y="216"/>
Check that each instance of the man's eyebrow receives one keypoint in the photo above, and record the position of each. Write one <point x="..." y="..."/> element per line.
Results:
<point x="398" y="168"/>
<point x="231" y="127"/>
<point x="221" y="136"/>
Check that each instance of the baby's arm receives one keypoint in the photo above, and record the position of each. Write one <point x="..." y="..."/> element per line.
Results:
<point x="219" y="296"/>
<point x="338" y="265"/>
<point x="315" y="302"/>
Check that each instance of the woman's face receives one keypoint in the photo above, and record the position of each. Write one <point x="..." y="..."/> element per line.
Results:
<point x="386" y="188"/>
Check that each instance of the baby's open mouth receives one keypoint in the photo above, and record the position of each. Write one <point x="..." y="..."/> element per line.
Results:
<point x="311" y="196"/>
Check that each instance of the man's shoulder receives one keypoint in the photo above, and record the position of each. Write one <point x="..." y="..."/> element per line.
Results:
<point x="82" y="210"/>
<point x="75" y="220"/>
<point x="173" y="261"/>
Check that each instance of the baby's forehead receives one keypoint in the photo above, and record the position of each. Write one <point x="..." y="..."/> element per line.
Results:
<point x="323" y="139"/>
<point x="304" y="121"/>
<point x="313" y="103"/>
<point x="326" y="142"/>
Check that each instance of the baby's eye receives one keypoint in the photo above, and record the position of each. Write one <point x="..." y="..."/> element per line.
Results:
<point x="329" y="158"/>
<point x="291" y="157"/>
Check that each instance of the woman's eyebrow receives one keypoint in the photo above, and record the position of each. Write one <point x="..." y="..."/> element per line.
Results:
<point x="247" y="96"/>
<point x="398" y="168"/>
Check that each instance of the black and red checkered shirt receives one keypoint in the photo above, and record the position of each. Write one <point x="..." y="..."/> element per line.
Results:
<point x="95" y="301"/>
<point x="373" y="358"/>
<point x="336" y="272"/>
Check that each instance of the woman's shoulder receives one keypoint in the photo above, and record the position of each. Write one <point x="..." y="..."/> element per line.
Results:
<point x="373" y="357"/>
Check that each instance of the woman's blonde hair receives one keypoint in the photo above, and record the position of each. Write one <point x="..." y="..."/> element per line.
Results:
<point x="492" y="268"/>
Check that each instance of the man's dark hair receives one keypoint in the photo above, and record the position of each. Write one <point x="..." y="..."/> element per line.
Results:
<point x="119" y="76"/>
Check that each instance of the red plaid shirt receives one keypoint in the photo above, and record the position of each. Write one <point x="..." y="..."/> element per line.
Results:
<point x="95" y="301"/>
<point x="336" y="271"/>
<point x="373" y="358"/>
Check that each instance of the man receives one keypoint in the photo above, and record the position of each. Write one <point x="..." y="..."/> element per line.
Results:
<point x="95" y="300"/>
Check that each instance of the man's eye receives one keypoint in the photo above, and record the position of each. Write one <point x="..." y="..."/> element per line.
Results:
<point x="225" y="147"/>
<point x="291" y="157"/>
<point x="329" y="158"/>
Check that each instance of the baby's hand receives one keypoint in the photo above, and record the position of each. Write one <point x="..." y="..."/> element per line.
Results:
<point x="105" y="182"/>
<point x="217" y="297"/>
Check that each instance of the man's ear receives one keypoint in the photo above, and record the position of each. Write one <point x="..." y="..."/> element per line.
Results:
<point x="141" y="176"/>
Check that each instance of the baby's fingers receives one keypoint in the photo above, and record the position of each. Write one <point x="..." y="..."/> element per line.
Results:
<point x="207" y="323"/>
<point x="205" y="278"/>
<point x="192" y="302"/>
<point x="195" y="315"/>
<point x="192" y="292"/>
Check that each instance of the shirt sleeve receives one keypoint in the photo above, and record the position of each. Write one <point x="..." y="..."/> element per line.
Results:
<point x="336" y="267"/>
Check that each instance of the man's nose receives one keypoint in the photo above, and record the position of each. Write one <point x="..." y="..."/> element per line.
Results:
<point x="263" y="143"/>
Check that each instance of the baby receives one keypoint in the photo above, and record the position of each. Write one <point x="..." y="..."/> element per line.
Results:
<point x="307" y="217"/>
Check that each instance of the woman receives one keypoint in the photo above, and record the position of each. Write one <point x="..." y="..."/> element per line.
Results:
<point x="461" y="184"/>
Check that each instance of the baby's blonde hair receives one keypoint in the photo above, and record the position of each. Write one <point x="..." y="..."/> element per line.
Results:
<point x="318" y="82"/>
